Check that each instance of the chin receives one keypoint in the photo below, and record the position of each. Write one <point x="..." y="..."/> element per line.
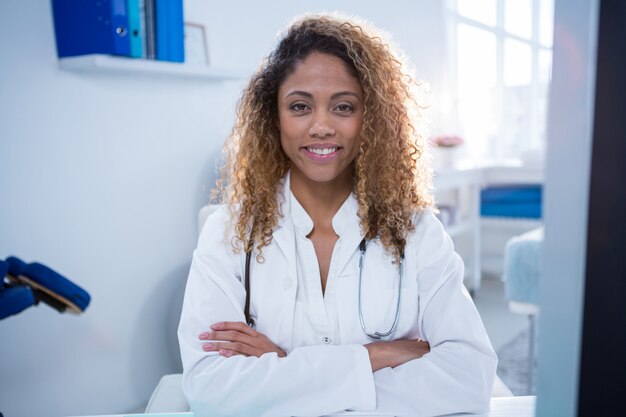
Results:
<point x="323" y="175"/>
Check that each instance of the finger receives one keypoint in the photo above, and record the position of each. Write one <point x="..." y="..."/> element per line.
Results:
<point x="212" y="347"/>
<point x="240" y="348"/>
<point x="234" y="325"/>
<point x="230" y="336"/>
<point x="237" y="348"/>
<point x="217" y="335"/>
<point x="228" y="353"/>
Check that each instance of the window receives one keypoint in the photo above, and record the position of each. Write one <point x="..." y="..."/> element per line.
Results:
<point x="501" y="54"/>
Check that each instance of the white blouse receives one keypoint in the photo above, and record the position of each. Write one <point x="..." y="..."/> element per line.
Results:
<point x="315" y="315"/>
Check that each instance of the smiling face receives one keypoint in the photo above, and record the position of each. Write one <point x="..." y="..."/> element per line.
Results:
<point x="320" y="110"/>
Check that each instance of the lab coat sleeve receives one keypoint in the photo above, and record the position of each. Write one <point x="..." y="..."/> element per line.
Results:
<point x="457" y="374"/>
<point x="309" y="381"/>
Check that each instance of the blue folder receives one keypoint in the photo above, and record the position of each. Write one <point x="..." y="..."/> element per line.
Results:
<point x="134" y="28"/>
<point x="91" y="27"/>
<point x="170" y="35"/>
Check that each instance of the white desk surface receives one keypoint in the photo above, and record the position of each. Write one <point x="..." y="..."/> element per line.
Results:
<point x="500" y="407"/>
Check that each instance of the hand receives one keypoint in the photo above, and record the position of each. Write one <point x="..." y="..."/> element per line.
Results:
<point x="237" y="338"/>
<point x="396" y="352"/>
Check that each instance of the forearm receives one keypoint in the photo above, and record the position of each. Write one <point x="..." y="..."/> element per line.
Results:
<point x="389" y="354"/>
<point x="313" y="380"/>
<point x="453" y="378"/>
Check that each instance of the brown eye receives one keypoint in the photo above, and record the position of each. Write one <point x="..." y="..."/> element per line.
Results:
<point x="344" y="108"/>
<point x="299" y="107"/>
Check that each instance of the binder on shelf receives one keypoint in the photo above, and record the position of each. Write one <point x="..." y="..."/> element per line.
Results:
<point x="176" y="27"/>
<point x="170" y="35"/>
<point x="142" y="28"/>
<point x="162" y="33"/>
<point x="134" y="28"/>
<point x="150" y="25"/>
<point x="91" y="27"/>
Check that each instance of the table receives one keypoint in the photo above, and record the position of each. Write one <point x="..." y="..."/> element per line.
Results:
<point x="500" y="407"/>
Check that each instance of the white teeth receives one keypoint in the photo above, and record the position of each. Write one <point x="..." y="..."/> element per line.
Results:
<point x="324" y="151"/>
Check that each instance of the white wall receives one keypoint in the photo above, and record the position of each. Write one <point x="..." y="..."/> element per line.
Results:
<point x="102" y="178"/>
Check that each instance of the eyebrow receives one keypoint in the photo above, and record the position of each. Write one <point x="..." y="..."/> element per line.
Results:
<point x="334" y="96"/>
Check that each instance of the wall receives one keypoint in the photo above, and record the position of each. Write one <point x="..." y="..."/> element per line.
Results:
<point x="102" y="178"/>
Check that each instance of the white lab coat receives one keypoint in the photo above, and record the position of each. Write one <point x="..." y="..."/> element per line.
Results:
<point x="455" y="376"/>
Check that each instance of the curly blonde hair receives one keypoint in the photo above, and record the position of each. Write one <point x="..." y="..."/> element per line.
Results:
<point x="392" y="175"/>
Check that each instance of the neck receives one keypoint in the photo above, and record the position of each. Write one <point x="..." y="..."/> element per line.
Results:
<point x="321" y="200"/>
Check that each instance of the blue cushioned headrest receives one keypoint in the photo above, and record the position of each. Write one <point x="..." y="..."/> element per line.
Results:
<point x="48" y="280"/>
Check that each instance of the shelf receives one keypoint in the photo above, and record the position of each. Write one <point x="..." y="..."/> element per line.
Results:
<point x="121" y="65"/>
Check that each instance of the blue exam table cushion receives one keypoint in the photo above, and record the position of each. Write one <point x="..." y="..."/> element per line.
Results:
<point x="517" y="201"/>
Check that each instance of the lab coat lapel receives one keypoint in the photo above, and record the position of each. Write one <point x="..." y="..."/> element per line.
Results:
<point x="351" y="234"/>
<point x="283" y="233"/>
<point x="284" y="238"/>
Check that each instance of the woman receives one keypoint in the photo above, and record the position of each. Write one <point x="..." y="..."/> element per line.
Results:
<point x="328" y="193"/>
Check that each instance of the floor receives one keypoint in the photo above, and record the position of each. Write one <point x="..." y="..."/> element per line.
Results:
<point x="502" y="325"/>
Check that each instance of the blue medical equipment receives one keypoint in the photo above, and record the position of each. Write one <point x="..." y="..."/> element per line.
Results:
<point x="24" y="285"/>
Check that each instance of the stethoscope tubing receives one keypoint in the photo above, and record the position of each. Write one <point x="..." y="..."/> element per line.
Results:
<point x="378" y="335"/>
<point x="362" y="247"/>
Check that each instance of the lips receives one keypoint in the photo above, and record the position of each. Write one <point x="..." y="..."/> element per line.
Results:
<point x="321" y="152"/>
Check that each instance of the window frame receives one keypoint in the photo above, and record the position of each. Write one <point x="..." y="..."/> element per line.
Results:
<point x="536" y="140"/>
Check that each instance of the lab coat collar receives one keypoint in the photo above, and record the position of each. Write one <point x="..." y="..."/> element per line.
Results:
<point x="303" y="223"/>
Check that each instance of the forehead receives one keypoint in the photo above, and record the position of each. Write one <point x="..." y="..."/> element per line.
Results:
<point x="320" y="72"/>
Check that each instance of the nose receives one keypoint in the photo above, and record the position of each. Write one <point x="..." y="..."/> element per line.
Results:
<point x="321" y="126"/>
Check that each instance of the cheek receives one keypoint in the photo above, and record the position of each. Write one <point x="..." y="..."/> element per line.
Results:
<point x="289" y="129"/>
<point x="355" y="150"/>
<point x="288" y="140"/>
<point x="285" y="137"/>
<point x="356" y="134"/>
<point x="357" y="125"/>
<point x="283" y="132"/>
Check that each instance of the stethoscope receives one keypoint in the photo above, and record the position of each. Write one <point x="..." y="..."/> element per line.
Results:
<point x="378" y="335"/>
<point x="362" y="248"/>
